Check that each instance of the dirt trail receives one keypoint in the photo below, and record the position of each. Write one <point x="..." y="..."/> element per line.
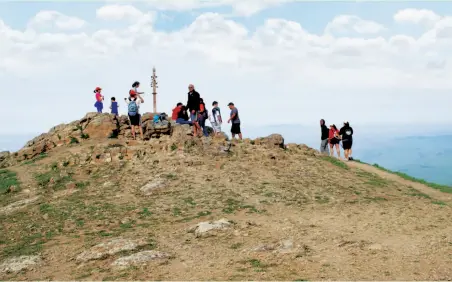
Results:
<point x="436" y="194"/>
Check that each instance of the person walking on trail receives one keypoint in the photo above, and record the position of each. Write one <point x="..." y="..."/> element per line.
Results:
<point x="324" y="138"/>
<point x="193" y="103"/>
<point x="133" y="109"/>
<point x="203" y="115"/>
<point x="333" y="138"/>
<point x="215" y="118"/>
<point x="346" y="134"/>
<point x="99" y="99"/>
<point x="114" y="106"/>
<point x="235" y="119"/>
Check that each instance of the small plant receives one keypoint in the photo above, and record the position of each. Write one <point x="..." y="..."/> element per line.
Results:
<point x="74" y="140"/>
<point x="7" y="179"/>
<point x="336" y="162"/>
<point x="59" y="136"/>
<point x="173" y="147"/>
<point x="84" y="136"/>
<point x="252" y="142"/>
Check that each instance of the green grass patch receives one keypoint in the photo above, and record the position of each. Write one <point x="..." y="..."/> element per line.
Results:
<point x="233" y="205"/>
<point x="7" y="179"/>
<point x="335" y="162"/>
<point x="371" y="178"/>
<point x="415" y="193"/>
<point x="442" y="188"/>
<point x="439" y="203"/>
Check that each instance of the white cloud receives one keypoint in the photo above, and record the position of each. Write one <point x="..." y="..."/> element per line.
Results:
<point x="279" y="72"/>
<point x="49" y="19"/>
<point x="417" y="16"/>
<point x="350" y="23"/>
<point x="118" y="12"/>
<point x="240" y="7"/>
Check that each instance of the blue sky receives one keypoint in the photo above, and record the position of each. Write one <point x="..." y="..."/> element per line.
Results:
<point x="313" y="15"/>
<point x="279" y="57"/>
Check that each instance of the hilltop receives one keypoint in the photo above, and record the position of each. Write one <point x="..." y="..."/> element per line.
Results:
<point x="84" y="202"/>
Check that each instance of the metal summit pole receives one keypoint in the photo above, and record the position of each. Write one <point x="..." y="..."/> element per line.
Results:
<point x="154" y="85"/>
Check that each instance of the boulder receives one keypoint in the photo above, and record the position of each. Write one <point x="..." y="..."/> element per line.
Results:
<point x="140" y="258"/>
<point x="271" y="141"/>
<point x="16" y="264"/>
<point x="109" y="248"/>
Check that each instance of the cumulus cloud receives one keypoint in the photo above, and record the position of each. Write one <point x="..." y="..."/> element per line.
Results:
<point x="118" y="12"/>
<point x="417" y="16"/>
<point x="54" y="19"/>
<point x="279" y="66"/>
<point x="350" y="23"/>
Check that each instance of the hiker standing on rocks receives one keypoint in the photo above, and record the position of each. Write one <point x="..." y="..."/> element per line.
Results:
<point x="114" y="106"/>
<point x="346" y="134"/>
<point x="133" y="108"/>
<point x="333" y="137"/>
<point x="193" y="106"/>
<point x="234" y="117"/>
<point x="215" y="118"/>
<point x="203" y="117"/>
<point x="324" y="138"/>
<point x="99" y="99"/>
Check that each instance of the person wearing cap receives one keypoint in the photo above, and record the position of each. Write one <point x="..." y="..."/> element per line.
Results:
<point x="324" y="138"/>
<point x="346" y="134"/>
<point x="99" y="98"/>
<point x="234" y="117"/>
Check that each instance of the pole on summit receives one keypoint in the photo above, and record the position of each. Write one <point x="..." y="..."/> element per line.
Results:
<point x="154" y="85"/>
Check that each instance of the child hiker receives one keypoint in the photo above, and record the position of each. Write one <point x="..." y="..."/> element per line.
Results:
<point x="215" y="118"/>
<point x="114" y="106"/>
<point x="99" y="99"/>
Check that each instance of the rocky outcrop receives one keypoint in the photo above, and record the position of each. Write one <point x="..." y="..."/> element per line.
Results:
<point x="114" y="246"/>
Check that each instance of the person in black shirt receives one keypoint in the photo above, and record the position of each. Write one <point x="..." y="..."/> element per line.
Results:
<point x="346" y="134"/>
<point x="324" y="138"/>
<point x="193" y="106"/>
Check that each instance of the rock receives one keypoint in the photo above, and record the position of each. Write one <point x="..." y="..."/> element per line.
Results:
<point x="375" y="247"/>
<point x="151" y="186"/>
<point x="109" y="248"/>
<point x="140" y="258"/>
<point x="285" y="246"/>
<point x="16" y="264"/>
<point x="17" y="205"/>
<point x="203" y="228"/>
<point x="263" y="248"/>
<point x="271" y="141"/>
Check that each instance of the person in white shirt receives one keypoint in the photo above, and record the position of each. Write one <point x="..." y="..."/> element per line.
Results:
<point x="215" y="118"/>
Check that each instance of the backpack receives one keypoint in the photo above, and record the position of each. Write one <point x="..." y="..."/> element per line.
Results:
<point x="133" y="108"/>
<point x="157" y="118"/>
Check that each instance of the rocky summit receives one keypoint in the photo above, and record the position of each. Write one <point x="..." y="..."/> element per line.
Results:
<point x="85" y="202"/>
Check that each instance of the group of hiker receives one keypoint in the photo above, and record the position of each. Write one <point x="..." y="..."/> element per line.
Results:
<point x="198" y="113"/>
<point x="332" y="137"/>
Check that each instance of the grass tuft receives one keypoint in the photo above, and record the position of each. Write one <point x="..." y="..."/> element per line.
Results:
<point x="335" y="162"/>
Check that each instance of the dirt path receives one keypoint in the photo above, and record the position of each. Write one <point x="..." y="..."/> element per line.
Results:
<point x="436" y="194"/>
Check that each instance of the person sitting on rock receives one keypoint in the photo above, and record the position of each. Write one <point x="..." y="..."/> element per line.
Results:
<point x="176" y="111"/>
<point x="99" y="99"/>
<point x="133" y="103"/>
<point x="182" y="116"/>
<point x="134" y="91"/>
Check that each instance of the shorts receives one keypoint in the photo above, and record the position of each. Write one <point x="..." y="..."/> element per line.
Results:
<point x="135" y="120"/>
<point x="334" y="141"/>
<point x="216" y="126"/>
<point x="235" y="128"/>
<point x="347" y="145"/>
<point x="194" y="117"/>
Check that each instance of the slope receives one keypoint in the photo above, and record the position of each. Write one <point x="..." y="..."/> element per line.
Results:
<point x="182" y="208"/>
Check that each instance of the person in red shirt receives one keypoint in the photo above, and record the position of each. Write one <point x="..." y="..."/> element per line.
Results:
<point x="176" y="111"/>
<point x="333" y="137"/>
<point x="99" y="99"/>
